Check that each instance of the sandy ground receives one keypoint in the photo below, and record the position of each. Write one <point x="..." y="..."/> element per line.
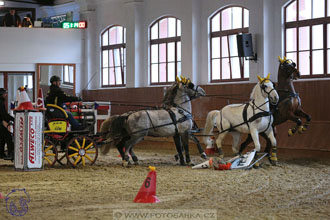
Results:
<point x="296" y="189"/>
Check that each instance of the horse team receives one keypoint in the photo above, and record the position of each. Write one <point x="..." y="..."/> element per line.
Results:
<point x="266" y="108"/>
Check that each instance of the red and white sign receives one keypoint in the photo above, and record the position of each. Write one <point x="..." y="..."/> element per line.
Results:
<point x="34" y="148"/>
<point x="19" y="140"/>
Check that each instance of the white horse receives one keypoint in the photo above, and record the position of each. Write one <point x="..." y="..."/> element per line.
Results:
<point x="253" y="117"/>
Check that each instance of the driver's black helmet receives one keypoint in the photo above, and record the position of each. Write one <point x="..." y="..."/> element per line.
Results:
<point x="55" y="79"/>
<point x="3" y="91"/>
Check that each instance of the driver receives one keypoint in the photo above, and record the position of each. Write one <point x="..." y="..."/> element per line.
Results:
<point x="57" y="96"/>
<point x="5" y="136"/>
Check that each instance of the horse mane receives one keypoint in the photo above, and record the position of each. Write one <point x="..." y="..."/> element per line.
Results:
<point x="254" y="90"/>
<point x="170" y="94"/>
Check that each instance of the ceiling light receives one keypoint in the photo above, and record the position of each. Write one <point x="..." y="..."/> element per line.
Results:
<point x="2" y="3"/>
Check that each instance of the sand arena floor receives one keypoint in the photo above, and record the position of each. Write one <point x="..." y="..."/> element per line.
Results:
<point x="296" y="189"/>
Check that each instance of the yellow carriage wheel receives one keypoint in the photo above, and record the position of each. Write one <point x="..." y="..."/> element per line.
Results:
<point x="81" y="150"/>
<point x="50" y="154"/>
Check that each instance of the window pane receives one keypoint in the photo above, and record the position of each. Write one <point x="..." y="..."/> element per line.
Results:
<point x="235" y="69"/>
<point x="233" y="45"/>
<point x="179" y="69"/>
<point x="216" y="23"/>
<point x="291" y="39"/>
<point x="246" y="69"/>
<point x="171" y="27"/>
<point x="154" y="73"/>
<point x="124" y="56"/>
<point x="118" y="76"/>
<point x="328" y="63"/>
<point x="328" y="8"/>
<point x="171" y="72"/>
<point x="119" y="35"/>
<point x="117" y="57"/>
<point x="178" y="27"/>
<point x="291" y="12"/>
<point x="225" y="70"/>
<point x="154" y="31"/>
<point x="154" y="53"/>
<point x="215" y="47"/>
<point x="124" y="35"/>
<point x="328" y="34"/>
<point x="304" y="38"/>
<point x="162" y="52"/>
<point x="317" y="31"/>
<point x="226" y="19"/>
<point x="112" y="76"/>
<point x="305" y="9"/>
<point x="170" y="52"/>
<point x="237" y="17"/>
<point x="318" y="62"/>
<point x="304" y="63"/>
<point x="318" y="8"/>
<point x="246" y="18"/>
<point x="216" y="69"/>
<point x="292" y="56"/>
<point x="113" y="35"/>
<point x="224" y="46"/>
<point x="178" y="51"/>
<point x="105" y="75"/>
<point x="162" y="70"/>
<point x="111" y="58"/>
<point x="105" y="39"/>
<point x="163" y="28"/>
<point x="70" y="74"/>
<point x="105" y="58"/>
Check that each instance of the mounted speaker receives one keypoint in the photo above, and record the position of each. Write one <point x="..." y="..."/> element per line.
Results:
<point x="244" y="45"/>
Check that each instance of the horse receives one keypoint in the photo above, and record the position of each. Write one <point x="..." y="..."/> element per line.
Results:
<point x="129" y="129"/>
<point x="253" y="117"/>
<point x="288" y="108"/>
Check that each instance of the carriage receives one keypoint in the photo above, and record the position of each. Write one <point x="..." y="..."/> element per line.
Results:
<point x="65" y="146"/>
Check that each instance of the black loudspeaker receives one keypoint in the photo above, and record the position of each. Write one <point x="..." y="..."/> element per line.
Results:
<point x="244" y="45"/>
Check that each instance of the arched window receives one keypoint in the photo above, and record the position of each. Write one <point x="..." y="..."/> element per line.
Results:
<point x="307" y="37"/>
<point x="165" y="50"/>
<point x="224" y="26"/>
<point x="113" y="56"/>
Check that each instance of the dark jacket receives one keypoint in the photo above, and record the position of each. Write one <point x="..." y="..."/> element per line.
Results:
<point x="11" y="21"/>
<point x="57" y="96"/>
<point x="4" y="116"/>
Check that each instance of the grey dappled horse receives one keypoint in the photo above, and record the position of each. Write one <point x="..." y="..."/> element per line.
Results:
<point x="128" y="129"/>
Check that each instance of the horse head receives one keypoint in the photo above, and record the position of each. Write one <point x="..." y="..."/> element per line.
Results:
<point x="268" y="90"/>
<point x="288" y="69"/>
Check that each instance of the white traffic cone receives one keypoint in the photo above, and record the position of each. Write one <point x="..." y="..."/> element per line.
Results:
<point x="204" y="165"/>
<point x="24" y="101"/>
<point x="40" y="100"/>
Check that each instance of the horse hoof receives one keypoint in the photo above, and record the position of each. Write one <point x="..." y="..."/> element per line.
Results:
<point x="136" y="163"/>
<point x="176" y="157"/>
<point x="183" y="163"/>
<point x="301" y="129"/>
<point x="203" y="155"/>
<point x="126" y="164"/>
<point x="190" y="164"/>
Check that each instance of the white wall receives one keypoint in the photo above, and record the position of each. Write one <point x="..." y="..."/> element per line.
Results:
<point x="22" y="48"/>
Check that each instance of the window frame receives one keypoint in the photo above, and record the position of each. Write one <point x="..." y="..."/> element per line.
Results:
<point x="324" y="21"/>
<point x="222" y="33"/>
<point x="166" y="41"/>
<point x="63" y="75"/>
<point x="121" y="46"/>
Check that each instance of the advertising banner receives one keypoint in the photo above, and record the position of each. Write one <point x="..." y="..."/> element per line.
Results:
<point x="34" y="140"/>
<point x="19" y="140"/>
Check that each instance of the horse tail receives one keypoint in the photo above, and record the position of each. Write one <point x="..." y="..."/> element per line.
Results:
<point x="106" y="133"/>
<point x="209" y="125"/>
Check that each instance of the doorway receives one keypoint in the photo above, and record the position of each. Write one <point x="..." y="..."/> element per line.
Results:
<point x="12" y="80"/>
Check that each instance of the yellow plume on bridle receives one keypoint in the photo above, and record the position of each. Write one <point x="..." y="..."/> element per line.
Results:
<point x="262" y="80"/>
<point x="183" y="80"/>
<point x="284" y="60"/>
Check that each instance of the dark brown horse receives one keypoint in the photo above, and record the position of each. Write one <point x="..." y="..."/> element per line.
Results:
<point x="288" y="107"/>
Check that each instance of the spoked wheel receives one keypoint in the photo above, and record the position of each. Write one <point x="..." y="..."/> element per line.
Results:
<point x="81" y="149"/>
<point x="49" y="152"/>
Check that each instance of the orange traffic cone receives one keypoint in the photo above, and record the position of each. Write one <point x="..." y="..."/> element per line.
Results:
<point x="40" y="100"/>
<point x="147" y="192"/>
<point x="25" y="103"/>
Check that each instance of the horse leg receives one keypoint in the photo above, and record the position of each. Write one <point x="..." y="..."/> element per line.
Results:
<point x="245" y="144"/>
<point x="293" y="117"/>
<point x="300" y="112"/>
<point x="199" y="147"/>
<point x="177" y="141"/>
<point x="134" y="157"/>
<point x="255" y="136"/>
<point x="185" y="143"/>
<point x="273" y="158"/>
<point x="128" y="145"/>
<point x="219" y="146"/>
<point x="236" y="140"/>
